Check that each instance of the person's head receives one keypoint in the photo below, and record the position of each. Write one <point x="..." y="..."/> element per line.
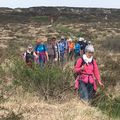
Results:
<point x="53" y="40"/>
<point x="30" y="48"/>
<point x="81" y="39"/>
<point x="62" y="38"/>
<point x="38" y="41"/>
<point x="69" y="40"/>
<point x="49" y="40"/>
<point x="89" y="42"/>
<point x="89" y="51"/>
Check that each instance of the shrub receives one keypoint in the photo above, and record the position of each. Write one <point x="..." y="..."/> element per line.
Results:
<point x="40" y="18"/>
<point x="105" y="99"/>
<point x="112" y="44"/>
<point x="108" y="105"/>
<point x="49" y="81"/>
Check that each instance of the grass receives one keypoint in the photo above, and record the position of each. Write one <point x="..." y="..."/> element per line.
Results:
<point x="112" y="44"/>
<point x="49" y="82"/>
<point x="107" y="105"/>
<point x="41" y="19"/>
<point x="108" y="100"/>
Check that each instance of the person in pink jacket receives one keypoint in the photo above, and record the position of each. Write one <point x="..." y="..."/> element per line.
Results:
<point x="88" y="73"/>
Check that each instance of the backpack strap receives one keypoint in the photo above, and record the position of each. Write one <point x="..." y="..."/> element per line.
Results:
<point x="83" y="62"/>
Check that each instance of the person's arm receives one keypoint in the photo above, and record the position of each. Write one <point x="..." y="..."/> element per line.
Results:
<point x="46" y="53"/>
<point x="97" y="73"/>
<point x="24" y="55"/>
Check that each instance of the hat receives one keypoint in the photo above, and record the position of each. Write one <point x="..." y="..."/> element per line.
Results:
<point x="53" y="38"/>
<point x="30" y="46"/>
<point x="62" y="37"/>
<point x="89" y="48"/>
<point x="85" y="41"/>
<point x="81" y="39"/>
<point x="70" y="39"/>
<point x="89" y="42"/>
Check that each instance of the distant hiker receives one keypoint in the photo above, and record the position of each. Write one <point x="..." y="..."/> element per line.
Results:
<point x="56" y="49"/>
<point x="87" y="70"/>
<point x="84" y="45"/>
<point x="89" y="43"/>
<point x="81" y="42"/>
<point x="51" y="49"/>
<point x="29" y="56"/>
<point x="77" y="50"/>
<point x="41" y="52"/>
<point x="66" y="48"/>
<point x="71" y="50"/>
<point x="62" y="48"/>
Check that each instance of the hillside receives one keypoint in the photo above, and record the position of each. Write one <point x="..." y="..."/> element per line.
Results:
<point x="19" y="27"/>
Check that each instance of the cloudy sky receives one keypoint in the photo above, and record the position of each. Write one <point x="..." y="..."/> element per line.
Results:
<point x="70" y="3"/>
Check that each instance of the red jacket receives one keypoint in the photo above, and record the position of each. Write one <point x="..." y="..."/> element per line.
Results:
<point x="89" y="74"/>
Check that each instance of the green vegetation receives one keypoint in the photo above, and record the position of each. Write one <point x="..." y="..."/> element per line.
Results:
<point x="112" y="44"/>
<point x="107" y="105"/>
<point x="41" y="18"/>
<point x="107" y="99"/>
<point x="49" y="82"/>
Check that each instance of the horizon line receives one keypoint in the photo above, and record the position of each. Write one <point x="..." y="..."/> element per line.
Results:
<point x="61" y="7"/>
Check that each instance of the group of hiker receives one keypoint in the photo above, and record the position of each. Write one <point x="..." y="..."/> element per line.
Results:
<point x="66" y="49"/>
<point x="55" y="50"/>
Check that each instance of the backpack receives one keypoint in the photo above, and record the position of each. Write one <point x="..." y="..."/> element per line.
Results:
<point x="83" y="63"/>
<point x="77" y="48"/>
<point x="29" y="57"/>
<point x="51" y="49"/>
<point x="62" y="47"/>
<point x="36" y="48"/>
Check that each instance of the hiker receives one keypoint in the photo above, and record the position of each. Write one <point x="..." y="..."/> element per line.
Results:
<point x="41" y="52"/>
<point x="81" y="42"/>
<point x="87" y="70"/>
<point x="29" y="56"/>
<point x="84" y="45"/>
<point x="71" y="49"/>
<point x="66" y="48"/>
<point x="77" y="50"/>
<point x="51" y="49"/>
<point x="61" y="48"/>
<point x="56" y="50"/>
<point x="89" y="43"/>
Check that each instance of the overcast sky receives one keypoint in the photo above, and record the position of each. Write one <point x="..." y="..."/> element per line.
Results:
<point x="70" y="3"/>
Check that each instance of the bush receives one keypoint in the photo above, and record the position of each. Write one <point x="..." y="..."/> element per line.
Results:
<point x="112" y="44"/>
<point x="108" y="105"/>
<point x="49" y="81"/>
<point x="105" y="99"/>
<point x="40" y="18"/>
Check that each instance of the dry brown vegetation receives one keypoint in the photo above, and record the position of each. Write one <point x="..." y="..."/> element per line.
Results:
<point x="19" y="100"/>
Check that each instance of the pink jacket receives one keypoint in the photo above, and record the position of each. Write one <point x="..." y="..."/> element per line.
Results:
<point x="89" y="73"/>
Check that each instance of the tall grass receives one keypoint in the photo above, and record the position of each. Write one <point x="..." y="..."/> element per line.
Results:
<point x="106" y="100"/>
<point x="112" y="44"/>
<point x="49" y="81"/>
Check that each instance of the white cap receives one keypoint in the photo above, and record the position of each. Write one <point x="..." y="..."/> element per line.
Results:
<point x="30" y="46"/>
<point x="89" y="42"/>
<point x="62" y="37"/>
<point x="85" y="41"/>
<point x="70" y="39"/>
<point x="81" y="39"/>
<point x="89" y="48"/>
